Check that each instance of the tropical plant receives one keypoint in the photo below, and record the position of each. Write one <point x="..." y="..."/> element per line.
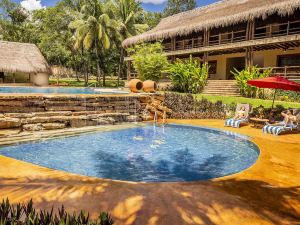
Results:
<point x="26" y="214"/>
<point x="188" y="76"/>
<point x="94" y="30"/>
<point x="149" y="60"/>
<point x="242" y="77"/>
<point x="128" y="13"/>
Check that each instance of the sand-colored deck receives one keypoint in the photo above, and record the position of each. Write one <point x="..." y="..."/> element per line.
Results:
<point x="266" y="193"/>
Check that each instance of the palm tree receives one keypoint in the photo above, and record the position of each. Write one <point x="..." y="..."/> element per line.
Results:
<point x="94" y="30"/>
<point x="129" y="14"/>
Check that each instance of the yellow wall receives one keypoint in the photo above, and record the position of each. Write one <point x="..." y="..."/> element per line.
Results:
<point x="264" y="58"/>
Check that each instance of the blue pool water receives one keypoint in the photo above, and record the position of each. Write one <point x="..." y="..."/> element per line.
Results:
<point x="59" y="90"/>
<point x="146" y="153"/>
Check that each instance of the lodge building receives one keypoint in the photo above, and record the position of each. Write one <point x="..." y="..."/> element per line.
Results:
<point x="232" y="34"/>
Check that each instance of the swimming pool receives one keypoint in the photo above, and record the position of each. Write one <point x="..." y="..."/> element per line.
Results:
<point x="59" y="90"/>
<point x="143" y="153"/>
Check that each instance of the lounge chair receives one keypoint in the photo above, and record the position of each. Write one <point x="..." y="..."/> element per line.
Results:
<point x="237" y="123"/>
<point x="282" y="126"/>
<point x="278" y="129"/>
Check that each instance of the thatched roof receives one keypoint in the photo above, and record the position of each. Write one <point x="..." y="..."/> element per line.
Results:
<point x="220" y="14"/>
<point x="21" y="57"/>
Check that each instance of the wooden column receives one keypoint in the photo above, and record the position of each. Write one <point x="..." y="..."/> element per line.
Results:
<point x="205" y="44"/>
<point x="249" y="57"/>
<point x="205" y="58"/>
<point x="249" y="50"/>
<point x="250" y="30"/>
<point x="206" y="37"/>
<point x="128" y="70"/>
<point x="173" y="48"/>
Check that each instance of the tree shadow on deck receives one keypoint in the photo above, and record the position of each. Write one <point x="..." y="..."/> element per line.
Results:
<point x="231" y="201"/>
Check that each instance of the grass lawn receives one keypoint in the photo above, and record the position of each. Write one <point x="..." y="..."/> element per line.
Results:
<point x="253" y="102"/>
<point x="74" y="83"/>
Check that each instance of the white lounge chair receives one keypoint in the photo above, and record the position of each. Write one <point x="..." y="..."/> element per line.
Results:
<point x="236" y="123"/>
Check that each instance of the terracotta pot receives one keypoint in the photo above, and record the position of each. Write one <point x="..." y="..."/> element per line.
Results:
<point x="149" y="86"/>
<point x="135" y="85"/>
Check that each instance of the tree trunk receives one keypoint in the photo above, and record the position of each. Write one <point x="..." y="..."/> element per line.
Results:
<point x="98" y="73"/>
<point x="120" y="74"/>
<point x="86" y="76"/>
<point x="77" y="75"/>
<point x="99" y="68"/>
<point x="103" y="76"/>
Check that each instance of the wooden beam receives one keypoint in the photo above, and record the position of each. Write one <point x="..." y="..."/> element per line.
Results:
<point x="250" y="30"/>
<point x="249" y="57"/>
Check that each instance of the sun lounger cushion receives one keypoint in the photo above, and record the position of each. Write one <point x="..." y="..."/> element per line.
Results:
<point x="276" y="130"/>
<point x="234" y="123"/>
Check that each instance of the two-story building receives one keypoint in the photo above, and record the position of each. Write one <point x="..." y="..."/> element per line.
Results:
<point x="233" y="34"/>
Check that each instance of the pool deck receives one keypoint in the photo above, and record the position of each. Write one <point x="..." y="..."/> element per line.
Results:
<point x="266" y="193"/>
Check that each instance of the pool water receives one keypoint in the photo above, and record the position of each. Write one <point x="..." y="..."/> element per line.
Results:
<point x="59" y="90"/>
<point x="143" y="153"/>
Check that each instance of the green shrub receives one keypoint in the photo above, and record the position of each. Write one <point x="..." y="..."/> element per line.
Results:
<point x="26" y="214"/>
<point x="188" y="76"/>
<point x="187" y="106"/>
<point x="249" y="74"/>
<point x="149" y="60"/>
<point x="288" y="96"/>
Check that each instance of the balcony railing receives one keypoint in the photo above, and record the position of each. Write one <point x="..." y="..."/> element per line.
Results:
<point x="276" y="30"/>
<point x="267" y="31"/>
<point x="289" y="72"/>
<point x="228" y="37"/>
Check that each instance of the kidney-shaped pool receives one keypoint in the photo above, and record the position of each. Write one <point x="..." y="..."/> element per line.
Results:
<point x="144" y="153"/>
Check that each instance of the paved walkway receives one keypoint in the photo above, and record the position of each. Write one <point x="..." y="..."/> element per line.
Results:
<point x="266" y="193"/>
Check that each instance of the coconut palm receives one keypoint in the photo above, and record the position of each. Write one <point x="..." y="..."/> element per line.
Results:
<point x="94" y="30"/>
<point x="129" y="14"/>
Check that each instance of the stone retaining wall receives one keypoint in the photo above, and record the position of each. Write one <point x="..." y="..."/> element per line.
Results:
<point x="34" y="112"/>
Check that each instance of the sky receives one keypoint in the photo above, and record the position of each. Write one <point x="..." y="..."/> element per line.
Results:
<point x="150" y="5"/>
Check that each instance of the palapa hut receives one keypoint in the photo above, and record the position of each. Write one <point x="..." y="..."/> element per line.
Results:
<point x="233" y="34"/>
<point x="22" y="63"/>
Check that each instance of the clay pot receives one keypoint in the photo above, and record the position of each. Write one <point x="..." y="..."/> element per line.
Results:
<point x="149" y="86"/>
<point x="135" y="85"/>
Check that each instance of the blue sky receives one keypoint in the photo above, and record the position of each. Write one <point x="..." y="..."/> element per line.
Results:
<point x="147" y="6"/>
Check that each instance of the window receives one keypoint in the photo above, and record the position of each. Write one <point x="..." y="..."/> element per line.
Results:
<point x="288" y="60"/>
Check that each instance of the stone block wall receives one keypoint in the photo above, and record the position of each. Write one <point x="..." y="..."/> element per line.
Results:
<point x="34" y="112"/>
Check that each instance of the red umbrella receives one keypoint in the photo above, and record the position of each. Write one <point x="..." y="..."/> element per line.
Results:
<point x="275" y="83"/>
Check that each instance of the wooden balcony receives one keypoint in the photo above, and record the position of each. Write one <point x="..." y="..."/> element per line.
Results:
<point x="288" y="72"/>
<point x="228" y="38"/>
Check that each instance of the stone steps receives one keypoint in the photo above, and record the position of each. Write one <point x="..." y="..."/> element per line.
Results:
<point x="221" y="87"/>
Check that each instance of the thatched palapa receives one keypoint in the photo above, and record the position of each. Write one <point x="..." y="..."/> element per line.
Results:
<point x="22" y="57"/>
<point x="220" y="14"/>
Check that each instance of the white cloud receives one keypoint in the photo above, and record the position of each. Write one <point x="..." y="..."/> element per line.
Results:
<point x="31" y="5"/>
<point x="155" y="2"/>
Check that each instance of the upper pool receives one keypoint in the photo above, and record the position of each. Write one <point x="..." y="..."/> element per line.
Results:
<point x="143" y="153"/>
<point x="59" y="90"/>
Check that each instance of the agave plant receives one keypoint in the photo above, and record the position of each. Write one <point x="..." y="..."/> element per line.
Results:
<point x="25" y="214"/>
